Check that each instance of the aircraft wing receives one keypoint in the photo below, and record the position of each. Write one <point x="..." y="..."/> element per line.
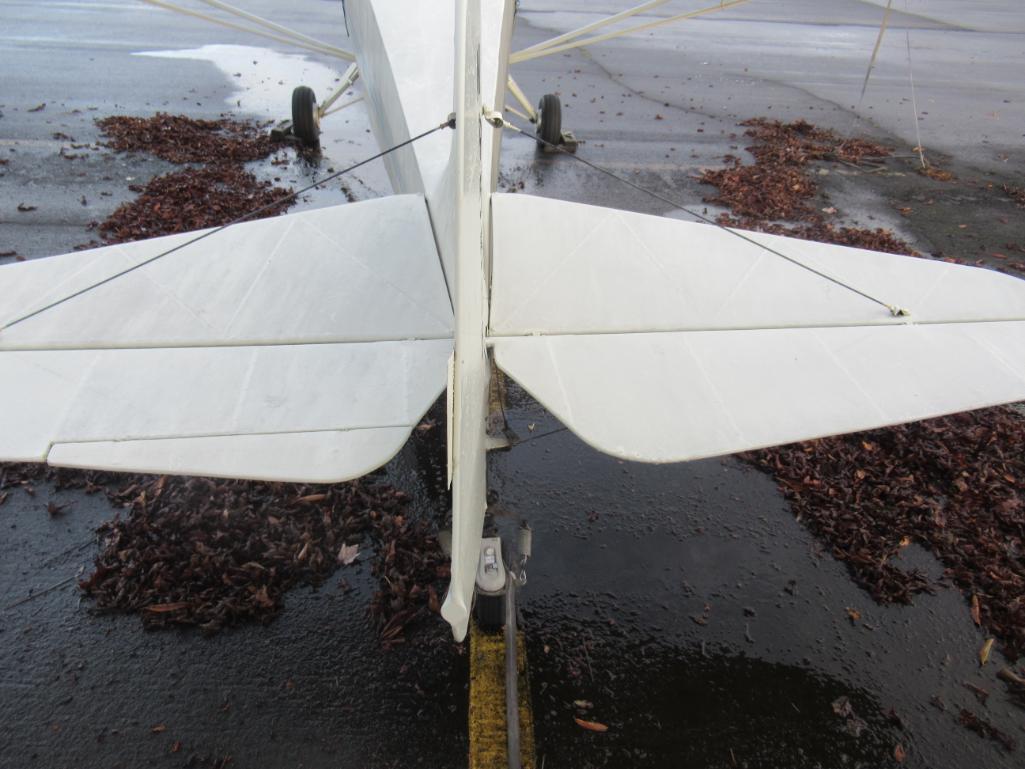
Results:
<point x="660" y="340"/>
<point x="303" y="348"/>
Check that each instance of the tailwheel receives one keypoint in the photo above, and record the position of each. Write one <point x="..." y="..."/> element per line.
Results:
<point x="489" y="611"/>
<point x="549" y="121"/>
<point x="305" y="116"/>
<point x="491" y="583"/>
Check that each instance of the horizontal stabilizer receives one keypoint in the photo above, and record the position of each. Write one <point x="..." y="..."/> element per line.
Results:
<point x="659" y="340"/>
<point x="313" y="457"/>
<point x="303" y="347"/>
<point x="358" y="272"/>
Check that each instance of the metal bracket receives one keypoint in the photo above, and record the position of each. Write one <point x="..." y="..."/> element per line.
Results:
<point x="349" y="77"/>
<point x="568" y="142"/>
<point x="493" y="118"/>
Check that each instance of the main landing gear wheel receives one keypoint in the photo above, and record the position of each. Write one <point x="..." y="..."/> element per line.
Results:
<point x="305" y="116"/>
<point x="549" y="121"/>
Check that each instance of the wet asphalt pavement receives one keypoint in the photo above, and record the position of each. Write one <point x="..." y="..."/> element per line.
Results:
<point x="706" y="626"/>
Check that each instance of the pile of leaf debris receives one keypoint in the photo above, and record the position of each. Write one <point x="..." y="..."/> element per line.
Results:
<point x="199" y="196"/>
<point x="953" y="485"/>
<point x="181" y="139"/>
<point x="215" y="553"/>
<point x="192" y="199"/>
<point x="778" y="187"/>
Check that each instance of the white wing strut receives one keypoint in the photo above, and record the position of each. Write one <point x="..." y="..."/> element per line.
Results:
<point x="569" y="41"/>
<point x="659" y="340"/>
<point x="277" y="33"/>
<point x="302" y="347"/>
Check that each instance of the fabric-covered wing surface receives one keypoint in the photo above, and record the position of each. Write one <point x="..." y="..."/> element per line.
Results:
<point x="302" y="347"/>
<point x="659" y="340"/>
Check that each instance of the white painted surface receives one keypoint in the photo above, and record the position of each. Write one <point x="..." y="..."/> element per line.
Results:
<point x="662" y="341"/>
<point x="104" y="396"/>
<point x="358" y="272"/>
<point x="674" y="397"/>
<point x="567" y="268"/>
<point x="470" y="364"/>
<point x="325" y="334"/>
<point x="405" y="53"/>
<point x="312" y="457"/>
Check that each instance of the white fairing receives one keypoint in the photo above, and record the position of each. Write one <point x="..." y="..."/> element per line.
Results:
<point x="661" y="341"/>
<point x="405" y="53"/>
<point x="302" y="348"/>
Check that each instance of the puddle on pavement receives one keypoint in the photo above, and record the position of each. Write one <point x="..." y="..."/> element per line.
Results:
<point x="674" y="706"/>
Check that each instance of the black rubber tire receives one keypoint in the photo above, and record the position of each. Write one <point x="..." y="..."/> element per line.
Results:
<point x="549" y="120"/>
<point x="305" y="120"/>
<point x="489" y="611"/>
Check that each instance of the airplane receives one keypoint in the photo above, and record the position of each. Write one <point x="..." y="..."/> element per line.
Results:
<point x="307" y="347"/>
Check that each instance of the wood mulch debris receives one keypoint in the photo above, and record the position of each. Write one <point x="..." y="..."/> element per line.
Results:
<point x="779" y="187"/>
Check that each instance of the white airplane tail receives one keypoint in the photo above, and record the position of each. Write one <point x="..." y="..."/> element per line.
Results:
<point x="662" y="341"/>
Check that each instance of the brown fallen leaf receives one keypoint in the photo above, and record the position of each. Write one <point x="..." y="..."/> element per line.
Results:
<point x="937" y="174"/>
<point x="160" y="608"/>
<point x="158" y="728"/>
<point x="54" y="509"/>
<point x="311" y="499"/>
<point x="853" y="614"/>
<point x="177" y="746"/>
<point x="976" y="618"/>
<point x="8" y="253"/>
<point x="348" y="554"/>
<point x="591" y="726"/>
<point x="985" y="729"/>
<point x="1008" y="675"/>
<point x="899" y="754"/>
<point x="38" y="107"/>
<point x="262" y="599"/>
<point x="985" y="650"/>
<point x="980" y="694"/>
<point x="25" y="208"/>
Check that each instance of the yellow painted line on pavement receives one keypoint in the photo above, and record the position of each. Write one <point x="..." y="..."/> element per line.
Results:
<point x="487" y="702"/>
